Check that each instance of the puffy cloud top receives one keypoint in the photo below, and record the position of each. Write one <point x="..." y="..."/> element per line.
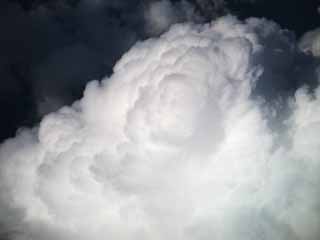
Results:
<point x="172" y="146"/>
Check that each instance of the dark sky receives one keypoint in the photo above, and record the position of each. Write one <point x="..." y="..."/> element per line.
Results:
<point x="296" y="15"/>
<point x="51" y="49"/>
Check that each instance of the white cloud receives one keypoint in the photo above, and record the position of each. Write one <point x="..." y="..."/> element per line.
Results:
<point x="171" y="146"/>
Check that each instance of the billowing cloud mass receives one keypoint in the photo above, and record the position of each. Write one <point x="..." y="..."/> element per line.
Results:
<point x="177" y="144"/>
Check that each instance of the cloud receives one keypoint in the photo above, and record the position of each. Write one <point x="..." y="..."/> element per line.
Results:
<point x="310" y="42"/>
<point x="35" y="33"/>
<point x="173" y="145"/>
<point x="160" y="16"/>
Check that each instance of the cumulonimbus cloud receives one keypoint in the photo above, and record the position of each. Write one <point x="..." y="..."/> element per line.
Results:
<point x="173" y="146"/>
